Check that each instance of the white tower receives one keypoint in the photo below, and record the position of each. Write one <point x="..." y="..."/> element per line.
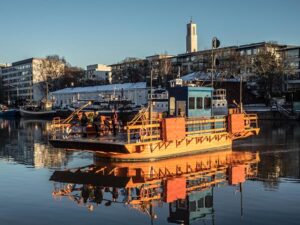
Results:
<point x="191" y="37"/>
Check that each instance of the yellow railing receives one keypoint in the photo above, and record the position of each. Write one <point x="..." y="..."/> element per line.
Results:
<point x="205" y="120"/>
<point x="148" y="131"/>
<point x="251" y="121"/>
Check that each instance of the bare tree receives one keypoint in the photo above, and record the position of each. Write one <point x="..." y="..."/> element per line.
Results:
<point x="50" y="69"/>
<point x="73" y="76"/>
<point x="165" y="69"/>
<point x="270" y="69"/>
<point x="133" y="70"/>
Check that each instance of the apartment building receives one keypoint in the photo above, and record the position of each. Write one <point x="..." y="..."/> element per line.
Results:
<point x="291" y="56"/>
<point x="22" y="81"/>
<point x="98" y="72"/>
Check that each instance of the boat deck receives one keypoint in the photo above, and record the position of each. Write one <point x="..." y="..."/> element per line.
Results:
<point x="108" y="143"/>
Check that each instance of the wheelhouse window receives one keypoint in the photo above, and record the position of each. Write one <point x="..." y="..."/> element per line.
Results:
<point x="191" y="102"/>
<point x="207" y="102"/>
<point x="199" y="102"/>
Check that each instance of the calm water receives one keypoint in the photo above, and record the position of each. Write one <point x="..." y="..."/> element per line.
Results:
<point x="270" y="195"/>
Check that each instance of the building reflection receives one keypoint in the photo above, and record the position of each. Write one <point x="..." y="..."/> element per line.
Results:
<point x="26" y="142"/>
<point x="279" y="148"/>
<point x="185" y="184"/>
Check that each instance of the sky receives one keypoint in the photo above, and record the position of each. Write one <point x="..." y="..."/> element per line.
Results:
<point x="87" y="32"/>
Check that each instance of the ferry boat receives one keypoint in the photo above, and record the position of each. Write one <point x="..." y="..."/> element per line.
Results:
<point x="189" y="128"/>
<point x="185" y="183"/>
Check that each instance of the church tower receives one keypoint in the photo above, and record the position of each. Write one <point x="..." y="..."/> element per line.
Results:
<point x="191" y="37"/>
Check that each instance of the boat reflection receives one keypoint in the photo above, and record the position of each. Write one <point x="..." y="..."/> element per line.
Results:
<point x="186" y="184"/>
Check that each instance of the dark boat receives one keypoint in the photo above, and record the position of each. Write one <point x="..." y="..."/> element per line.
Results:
<point x="8" y="113"/>
<point x="35" y="113"/>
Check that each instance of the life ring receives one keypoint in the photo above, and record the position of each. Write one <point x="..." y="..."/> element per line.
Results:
<point x="247" y="122"/>
<point x="143" y="132"/>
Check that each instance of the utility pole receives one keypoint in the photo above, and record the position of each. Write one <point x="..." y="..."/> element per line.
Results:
<point x="214" y="61"/>
<point x="212" y="67"/>
<point x="241" y="93"/>
<point x="150" y="101"/>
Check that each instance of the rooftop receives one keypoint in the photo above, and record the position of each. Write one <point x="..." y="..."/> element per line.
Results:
<point x="109" y="87"/>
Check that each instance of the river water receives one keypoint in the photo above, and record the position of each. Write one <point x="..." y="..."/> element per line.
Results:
<point x="85" y="190"/>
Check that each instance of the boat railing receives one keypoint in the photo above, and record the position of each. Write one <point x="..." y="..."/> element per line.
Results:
<point x="58" y="128"/>
<point x="144" y="131"/>
<point x="139" y="116"/>
<point x="205" y="125"/>
<point x="69" y="118"/>
<point x="251" y="121"/>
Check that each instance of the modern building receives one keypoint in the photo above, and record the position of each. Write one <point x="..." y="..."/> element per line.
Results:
<point x="291" y="56"/>
<point x="99" y="72"/>
<point x="130" y="70"/>
<point x="135" y="92"/>
<point x="22" y="81"/>
<point x="3" y="65"/>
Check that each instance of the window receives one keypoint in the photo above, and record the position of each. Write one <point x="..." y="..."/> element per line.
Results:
<point x="193" y="206"/>
<point x="182" y="204"/>
<point x="201" y="203"/>
<point x="172" y="105"/>
<point x="191" y="102"/>
<point x="199" y="103"/>
<point x="293" y="53"/>
<point x="208" y="201"/>
<point x="207" y="102"/>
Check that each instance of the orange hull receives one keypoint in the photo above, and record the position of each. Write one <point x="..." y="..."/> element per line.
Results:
<point x="162" y="150"/>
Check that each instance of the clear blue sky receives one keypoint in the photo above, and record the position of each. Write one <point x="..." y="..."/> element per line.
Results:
<point x="106" y="31"/>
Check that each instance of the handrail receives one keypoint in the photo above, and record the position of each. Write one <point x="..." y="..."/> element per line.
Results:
<point x="139" y="115"/>
<point x="69" y="118"/>
<point x="286" y="112"/>
<point x="195" y="121"/>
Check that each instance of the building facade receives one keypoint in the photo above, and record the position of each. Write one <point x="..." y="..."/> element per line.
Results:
<point x="137" y="93"/>
<point x="19" y="81"/>
<point x="99" y="72"/>
<point x="22" y="81"/>
<point x="291" y="56"/>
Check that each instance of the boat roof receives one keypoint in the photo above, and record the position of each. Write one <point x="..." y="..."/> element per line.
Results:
<point x="100" y="88"/>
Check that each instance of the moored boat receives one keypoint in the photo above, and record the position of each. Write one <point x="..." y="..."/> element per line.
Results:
<point x="42" y="114"/>
<point x="189" y="128"/>
<point x="10" y="113"/>
<point x="5" y="112"/>
<point x="42" y="110"/>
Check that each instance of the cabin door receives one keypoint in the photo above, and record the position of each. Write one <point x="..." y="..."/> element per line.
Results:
<point x="180" y="108"/>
